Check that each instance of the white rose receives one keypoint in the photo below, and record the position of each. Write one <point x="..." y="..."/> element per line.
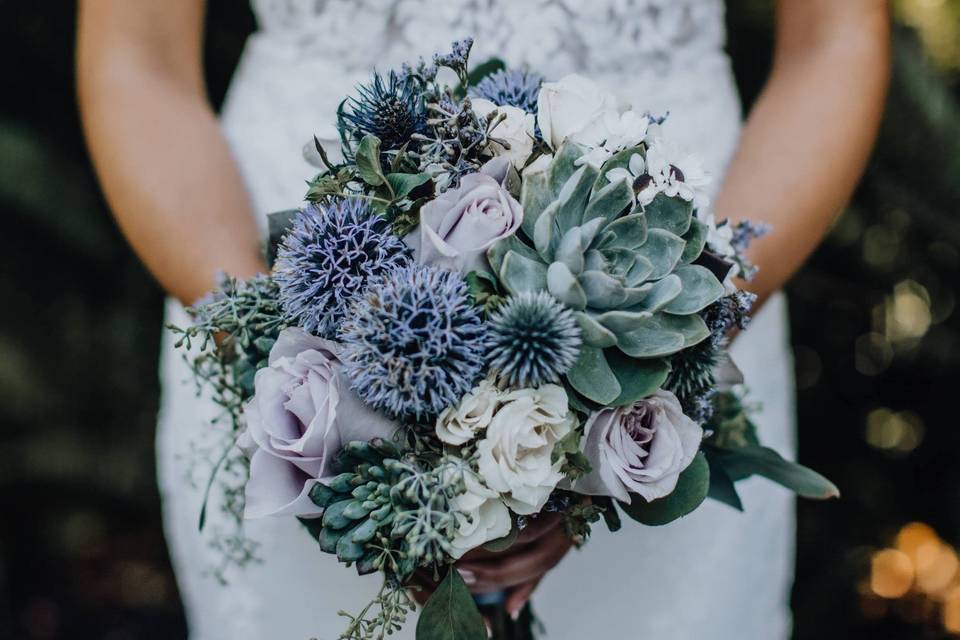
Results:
<point x="569" y="106"/>
<point x="460" y="424"/>
<point x="481" y="516"/>
<point x="516" y="128"/>
<point x="515" y="454"/>
<point x="641" y="448"/>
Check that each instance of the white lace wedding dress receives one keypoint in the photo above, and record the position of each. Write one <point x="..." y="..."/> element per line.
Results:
<point x="717" y="574"/>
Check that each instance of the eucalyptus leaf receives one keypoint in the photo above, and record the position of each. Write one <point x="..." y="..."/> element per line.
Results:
<point x="593" y="377"/>
<point x="692" y="488"/>
<point x="451" y="613"/>
<point x="638" y="378"/>
<point x="762" y="461"/>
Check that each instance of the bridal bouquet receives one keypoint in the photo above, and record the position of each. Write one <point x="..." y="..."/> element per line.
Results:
<point x="509" y="299"/>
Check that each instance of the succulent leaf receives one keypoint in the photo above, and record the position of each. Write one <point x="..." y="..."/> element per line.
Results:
<point x="700" y="289"/>
<point x="520" y="274"/>
<point x="574" y="196"/>
<point x="654" y="296"/>
<point x="602" y="290"/>
<point x="696" y="239"/>
<point x="609" y="202"/>
<point x="672" y="214"/>
<point x="663" y="249"/>
<point x="570" y="250"/>
<point x="535" y="196"/>
<point x="545" y="231"/>
<point x="347" y="549"/>
<point x="333" y="516"/>
<point x="593" y="333"/>
<point x="629" y="232"/>
<point x="496" y="252"/>
<point x="563" y="285"/>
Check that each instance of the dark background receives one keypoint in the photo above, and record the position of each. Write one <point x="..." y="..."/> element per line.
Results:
<point x="876" y="334"/>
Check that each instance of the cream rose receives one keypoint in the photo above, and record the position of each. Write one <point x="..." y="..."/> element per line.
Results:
<point x="460" y="424"/>
<point x="481" y="516"/>
<point x="571" y="105"/>
<point x="514" y="457"/>
<point x="641" y="448"/>
<point x="516" y="129"/>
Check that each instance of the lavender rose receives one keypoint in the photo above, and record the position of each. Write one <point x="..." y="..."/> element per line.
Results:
<point x="641" y="448"/>
<point x="300" y="416"/>
<point x="457" y="228"/>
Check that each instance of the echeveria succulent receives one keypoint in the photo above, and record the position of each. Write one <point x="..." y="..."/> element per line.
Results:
<point x="628" y="272"/>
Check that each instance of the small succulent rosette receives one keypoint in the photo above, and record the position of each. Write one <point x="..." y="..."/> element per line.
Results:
<point x="510" y="297"/>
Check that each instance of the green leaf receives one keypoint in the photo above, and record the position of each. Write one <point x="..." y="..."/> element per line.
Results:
<point x="575" y="463"/>
<point x="574" y="196"/>
<point x="696" y="239"/>
<point x="368" y="161"/>
<point x="563" y="166"/>
<point x="519" y="274"/>
<point x="763" y="461"/>
<point x="277" y="226"/>
<point x="638" y="378"/>
<point x="593" y="377"/>
<point x="722" y="488"/>
<point x="451" y="613"/>
<point x="504" y="543"/>
<point x="404" y="183"/>
<point x="610" y="515"/>
<point x="663" y="249"/>
<point x="484" y="69"/>
<point x="535" y="197"/>
<point x="692" y="487"/>
<point x="671" y="214"/>
<point x="654" y="296"/>
<point x="700" y="289"/>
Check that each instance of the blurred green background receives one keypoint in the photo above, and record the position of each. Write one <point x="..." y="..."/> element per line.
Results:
<point x="876" y="334"/>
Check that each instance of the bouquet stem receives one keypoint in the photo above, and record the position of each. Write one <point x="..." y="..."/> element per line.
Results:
<point x="502" y="626"/>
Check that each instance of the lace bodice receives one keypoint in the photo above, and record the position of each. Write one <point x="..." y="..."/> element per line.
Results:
<point x="556" y="37"/>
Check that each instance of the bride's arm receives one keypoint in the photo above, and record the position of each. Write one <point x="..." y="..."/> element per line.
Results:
<point x="808" y="137"/>
<point x="163" y="163"/>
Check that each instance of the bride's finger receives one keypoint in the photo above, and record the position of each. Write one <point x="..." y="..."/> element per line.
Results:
<point x="519" y="596"/>
<point x="518" y="568"/>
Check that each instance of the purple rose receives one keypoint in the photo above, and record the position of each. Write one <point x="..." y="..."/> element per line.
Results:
<point x="641" y="448"/>
<point x="458" y="227"/>
<point x="300" y="416"/>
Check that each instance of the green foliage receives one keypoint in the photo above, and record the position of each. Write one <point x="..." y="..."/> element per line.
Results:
<point x="579" y="519"/>
<point x="451" y="613"/>
<point x="575" y="464"/>
<point x="692" y="488"/>
<point x="384" y="615"/>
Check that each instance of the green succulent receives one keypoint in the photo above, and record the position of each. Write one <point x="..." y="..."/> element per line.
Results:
<point x="627" y="272"/>
<point x="387" y="511"/>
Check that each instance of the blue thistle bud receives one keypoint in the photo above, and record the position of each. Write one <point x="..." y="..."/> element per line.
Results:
<point x="326" y="259"/>
<point x="390" y="109"/>
<point x="509" y="87"/>
<point x="413" y="343"/>
<point x="533" y="340"/>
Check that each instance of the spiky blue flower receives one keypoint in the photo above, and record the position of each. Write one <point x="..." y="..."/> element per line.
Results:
<point x="326" y="259"/>
<point x="510" y="87"/>
<point x="532" y="340"/>
<point x="413" y="343"/>
<point x="389" y="108"/>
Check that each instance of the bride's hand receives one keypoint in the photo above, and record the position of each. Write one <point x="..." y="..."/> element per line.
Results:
<point x="519" y="569"/>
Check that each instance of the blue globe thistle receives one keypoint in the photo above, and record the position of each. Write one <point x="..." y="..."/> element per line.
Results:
<point x="533" y="340"/>
<point x="413" y="343"/>
<point x="389" y="108"/>
<point x="327" y="257"/>
<point x="510" y="88"/>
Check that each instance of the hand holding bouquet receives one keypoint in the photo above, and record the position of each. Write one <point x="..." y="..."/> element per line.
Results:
<point x="509" y="300"/>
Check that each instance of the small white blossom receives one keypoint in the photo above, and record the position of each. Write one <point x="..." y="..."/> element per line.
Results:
<point x="677" y="173"/>
<point x="635" y="174"/>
